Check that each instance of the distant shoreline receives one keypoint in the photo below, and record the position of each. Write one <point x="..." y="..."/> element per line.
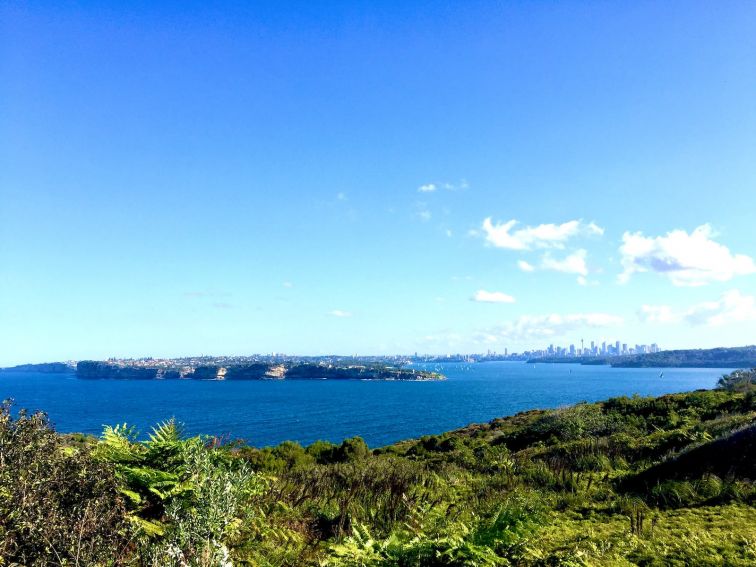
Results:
<point x="735" y="357"/>
<point x="96" y="370"/>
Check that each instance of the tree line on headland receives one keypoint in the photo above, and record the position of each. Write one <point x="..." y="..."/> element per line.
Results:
<point x="90" y="369"/>
<point x="631" y="480"/>
<point x="733" y="357"/>
<point x="141" y="370"/>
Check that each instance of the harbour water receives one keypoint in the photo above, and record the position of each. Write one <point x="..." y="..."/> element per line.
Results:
<point x="267" y="412"/>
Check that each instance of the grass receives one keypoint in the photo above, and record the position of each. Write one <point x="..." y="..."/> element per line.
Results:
<point x="706" y="535"/>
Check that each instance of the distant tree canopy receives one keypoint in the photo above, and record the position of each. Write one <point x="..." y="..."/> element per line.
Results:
<point x="733" y="357"/>
<point x="739" y="381"/>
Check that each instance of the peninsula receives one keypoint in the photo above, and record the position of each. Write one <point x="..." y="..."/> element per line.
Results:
<point x="237" y="368"/>
<point x="735" y="357"/>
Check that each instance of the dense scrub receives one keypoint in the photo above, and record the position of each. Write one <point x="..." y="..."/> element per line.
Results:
<point x="58" y="505"/>
<point x="630" y="481"/>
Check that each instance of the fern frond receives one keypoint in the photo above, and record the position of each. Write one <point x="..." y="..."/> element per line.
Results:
<point x="168" y="432"/>
<point x="118" y="445"/>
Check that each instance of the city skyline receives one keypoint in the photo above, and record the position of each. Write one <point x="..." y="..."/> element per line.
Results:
<point x="388" y="178"/>
<point x="602" y="348"/>
<point x="594" y="348"/>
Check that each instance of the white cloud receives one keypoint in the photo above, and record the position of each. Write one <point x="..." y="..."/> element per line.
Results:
<point x="593" y="228"/>
<point x="443" y="339"/>
<point x="731" y="307"/>
<point x="572" y="264"/>
<point x="433" y="187"/>
<point x="658" y="314"/>
<point x="288" y="285"/>
<point x="483" y="296"/>
<point x="525" y="266"/>
<point x="693" y="259"/>
<point x="341" y="196"/>
<point x="533" y="327"/>
<point x="425" y="215"/>
<point x="501" y="235"/>
<point x="340" y="313"/>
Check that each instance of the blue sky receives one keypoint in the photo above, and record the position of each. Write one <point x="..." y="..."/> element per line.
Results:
<point x="315" y="178"/>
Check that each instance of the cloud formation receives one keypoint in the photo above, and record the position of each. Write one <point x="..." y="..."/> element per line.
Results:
<point x="731" y="307"/>
<point x="693" y="259"/>
<point x="572" y="264"/>
<point x="483" y="296"/>
<point x="525" y="266"/>
<point x="539" y="327"/>
<point x="340" y="313"/>
<point x="550" y="235"/>
<point x="457" y="186"/>
<point x="433" y="187"/>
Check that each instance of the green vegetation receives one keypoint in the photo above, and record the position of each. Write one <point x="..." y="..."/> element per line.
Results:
<point x="734" y="357"/>
<point x="739" y="381"/>
<point x="629" y="481"/>
<point x="174" y="369"/>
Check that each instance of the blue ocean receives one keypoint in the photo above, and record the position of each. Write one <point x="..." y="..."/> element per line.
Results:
<point x="268" y="412"/>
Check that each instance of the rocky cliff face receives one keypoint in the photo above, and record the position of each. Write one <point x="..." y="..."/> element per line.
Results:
<point x="248" y="372"/>
<point x="89" y="369"/>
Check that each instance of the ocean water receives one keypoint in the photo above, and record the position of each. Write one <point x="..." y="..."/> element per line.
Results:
<point x="268" y="412"/>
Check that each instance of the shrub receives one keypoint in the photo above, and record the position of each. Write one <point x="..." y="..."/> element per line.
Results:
<point x="58" y="506"/>
<point x="185" y="497"/>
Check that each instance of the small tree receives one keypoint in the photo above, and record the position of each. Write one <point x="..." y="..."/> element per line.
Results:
<point x="739" y="381"/>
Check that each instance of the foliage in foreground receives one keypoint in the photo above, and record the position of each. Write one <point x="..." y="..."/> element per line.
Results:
<point x="630" y="481"/>
<point x="58" y="505"/>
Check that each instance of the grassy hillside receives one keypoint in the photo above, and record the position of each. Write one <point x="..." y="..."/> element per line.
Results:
<point x="629" y="481"/>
